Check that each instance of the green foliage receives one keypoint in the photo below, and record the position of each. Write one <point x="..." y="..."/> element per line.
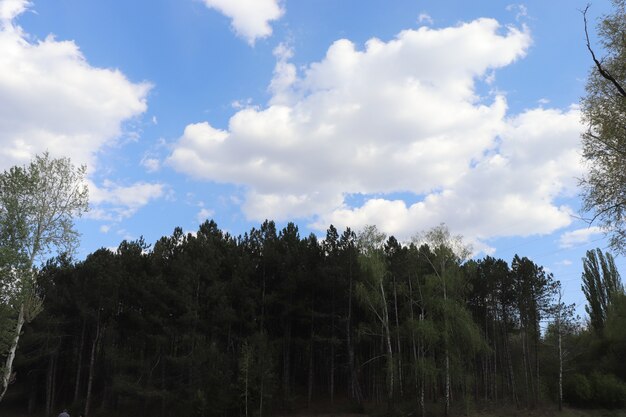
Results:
<point x="608" y="391"/>
<point x="597" y="390"/>
<point x="604" y="143"/>
<point x="615" y="336"/>
<point x="256" y="376"/>
<point x="38" y="204"/>
<point x="577" y="390"/>
<point x="601" y="284"/>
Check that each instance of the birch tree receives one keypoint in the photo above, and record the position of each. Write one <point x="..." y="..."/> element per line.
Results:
<point x="38" y="203"/>
<point x="445" y="253"/>
<point x="373" y="294"/>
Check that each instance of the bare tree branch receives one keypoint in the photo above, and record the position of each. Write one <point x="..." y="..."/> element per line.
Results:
<point x="603" y="71"/>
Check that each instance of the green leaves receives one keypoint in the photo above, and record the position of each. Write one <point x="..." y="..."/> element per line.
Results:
<point x="601" y="284"/>
<point x="604" y="142"/>
<point x="37" y="205"/>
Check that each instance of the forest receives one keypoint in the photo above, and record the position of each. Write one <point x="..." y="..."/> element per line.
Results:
<point x="270" y="322"/>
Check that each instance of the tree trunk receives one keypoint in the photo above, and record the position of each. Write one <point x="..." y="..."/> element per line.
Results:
<point x="8" y="366"/>
<point x="50" y="386"/>
<point x="332" y="373"/>
<point x="287" y="365"/>
<point x="495" y="359"/>
<point x="92" y="363"/>
<point x="262" y="366"/>
<point x="509" y="360"/>
<point x="536" y="342"/>
<point x="310" y="390"/>
<point x="79" y="365"/>
<point x="390" y="364"/>
<point x="32" y="393"/>
<point x="525" y="363"/>
<point x="399" y="347"/>
<point x="419" y="380"/>
<point x="246" y="358"/>
<point x="447" y="367"/>
<point x="446" y="353"/>
<point x="354" y="387"/>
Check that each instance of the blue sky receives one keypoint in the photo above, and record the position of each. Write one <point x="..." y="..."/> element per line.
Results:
<point x="403" y="114"/>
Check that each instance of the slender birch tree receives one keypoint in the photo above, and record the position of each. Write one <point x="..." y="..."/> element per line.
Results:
<point x="38" y="203"/>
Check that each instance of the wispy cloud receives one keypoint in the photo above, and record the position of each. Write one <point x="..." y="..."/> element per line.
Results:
<point x="425" y="18"/>
<point x="115" y="202"/>
<point x="579" y="236"/>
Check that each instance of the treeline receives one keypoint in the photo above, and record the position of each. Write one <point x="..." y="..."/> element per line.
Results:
<point x="209" y="324"/>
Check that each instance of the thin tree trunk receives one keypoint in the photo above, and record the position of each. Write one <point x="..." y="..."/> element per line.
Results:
<point x="447" y="360"/>
<point x="310" y="390"/>
<point x="420" y="378"/>
<point x="536" y="385"/>
<point x="49" y="382"/>
<point x="262" y="383"/>
<point x="287" y="365"/>
<point x="495" y="359"/>
<point x="8" y="366"/>
<point x="246" y="376"/>
<point x="92" y="362"/>
<point x="33" y="393"/>
<point x="390" y="364"/>
<point x="332" y="372"/>
<point x="163" y="387"/>
<point x="80" y="361"/>
<point x="525" y="363"/>
<point x="354" y="386"/>
<point x="399" y="346"/>
<point x="53" y="390"/>
<point x="511" y="373"/>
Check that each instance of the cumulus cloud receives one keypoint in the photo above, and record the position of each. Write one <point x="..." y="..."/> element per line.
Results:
<point x="401" y="117"/>
<point x="53" y="99"/>
<point x="250" y="18"/>
<point x="579" y="236"/>
<point x="115" y="202"/>
<point x="10" y="9"/>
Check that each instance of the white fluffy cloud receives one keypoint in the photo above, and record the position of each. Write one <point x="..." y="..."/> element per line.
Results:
<point x="401" y="117"/>
<point x="53" y="99"/>
<point x="579" y="236"/>
<point x="9" y="9"/>
<point x="250" y="18"/>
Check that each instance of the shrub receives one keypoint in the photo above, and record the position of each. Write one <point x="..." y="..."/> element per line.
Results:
<point x="577" y="390"/>
<point x="608" y="391"/>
